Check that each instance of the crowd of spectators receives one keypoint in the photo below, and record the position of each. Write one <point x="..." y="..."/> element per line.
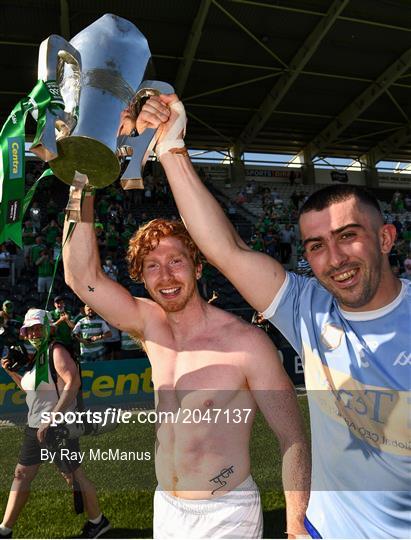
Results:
<point x="85" y="335"/>
<point x="276" y="232"/>
<point x="27" y="274"/>
<point x="115" y="222"/>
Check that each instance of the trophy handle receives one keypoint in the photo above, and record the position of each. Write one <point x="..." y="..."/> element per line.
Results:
<point x="140" y="147"/>
<point x="54" y="52"/>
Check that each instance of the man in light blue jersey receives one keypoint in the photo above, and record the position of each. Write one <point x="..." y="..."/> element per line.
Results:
<point x="350" y="324"/>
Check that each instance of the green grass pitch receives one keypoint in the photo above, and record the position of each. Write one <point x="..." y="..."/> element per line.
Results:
<point x="126" y="488"/>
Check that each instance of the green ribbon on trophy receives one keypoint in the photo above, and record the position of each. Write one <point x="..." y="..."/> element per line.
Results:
<point x="44" y="96"/>
<point x="42" y="355"/>
<point x="30" y="193"/>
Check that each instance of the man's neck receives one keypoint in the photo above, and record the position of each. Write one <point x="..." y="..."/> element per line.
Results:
<point x="191" y="320"/>
<point x="387" y="292"/>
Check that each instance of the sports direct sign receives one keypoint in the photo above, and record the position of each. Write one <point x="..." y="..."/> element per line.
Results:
<point x="264" y="173"/>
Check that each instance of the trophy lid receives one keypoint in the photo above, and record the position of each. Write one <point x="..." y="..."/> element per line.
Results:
<point x="114" y="44"/>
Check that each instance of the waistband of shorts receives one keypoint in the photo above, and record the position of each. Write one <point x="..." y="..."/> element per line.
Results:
<point x="238" y="495"/>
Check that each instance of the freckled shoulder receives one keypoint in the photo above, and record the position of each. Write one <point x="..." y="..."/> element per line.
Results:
<point x="245" y="334"/>
<point x="254" y="338"/>
<point x="258" y="357"/>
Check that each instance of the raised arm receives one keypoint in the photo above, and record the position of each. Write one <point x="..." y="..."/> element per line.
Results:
<point x="257" y="276"/>
<point x="83" y="273"/>
<point x="65" y="317"/>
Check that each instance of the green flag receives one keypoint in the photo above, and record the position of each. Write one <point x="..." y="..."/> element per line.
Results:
<point x="12" y="148"/>
<point x="42" y="355"/>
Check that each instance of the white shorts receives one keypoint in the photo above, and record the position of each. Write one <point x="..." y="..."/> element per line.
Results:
<point x="237" y="514"/>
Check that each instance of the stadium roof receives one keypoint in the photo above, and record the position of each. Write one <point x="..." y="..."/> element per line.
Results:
<point x="315" y="77"/>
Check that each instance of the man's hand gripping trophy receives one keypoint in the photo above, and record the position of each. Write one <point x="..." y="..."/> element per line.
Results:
<point x="166" y="114"/>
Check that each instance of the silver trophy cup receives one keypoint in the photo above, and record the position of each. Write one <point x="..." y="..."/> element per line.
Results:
<point x="99" y="74"/>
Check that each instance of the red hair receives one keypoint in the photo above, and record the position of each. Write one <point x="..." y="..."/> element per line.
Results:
<point x="148" y="237"/>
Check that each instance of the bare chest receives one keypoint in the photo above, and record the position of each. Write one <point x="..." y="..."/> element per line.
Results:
<point x="203" y="376"/>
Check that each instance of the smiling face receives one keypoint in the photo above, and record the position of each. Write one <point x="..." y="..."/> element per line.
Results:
<point x="347" y="246"/>
<point x="169" y="274"/>
<point x="35" y="331"/>
<point x="35" y="335"/>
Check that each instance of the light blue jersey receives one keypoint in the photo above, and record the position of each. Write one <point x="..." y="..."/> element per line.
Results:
<point x="358" y="377"/>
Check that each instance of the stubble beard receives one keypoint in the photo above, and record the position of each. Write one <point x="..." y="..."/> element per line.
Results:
<point x="367" y="288"/>
<point x="174" y="306"/>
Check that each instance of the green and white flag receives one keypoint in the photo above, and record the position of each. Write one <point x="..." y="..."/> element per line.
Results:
<point x="42" y="356"/>
<point x="44" y="96"/>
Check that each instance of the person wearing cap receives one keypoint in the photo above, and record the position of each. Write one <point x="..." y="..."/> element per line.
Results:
<point x="8" y="312"/>
<point x="11" y="321"/>
<point x="49" y="396"/>
<point x="8" y="306"/>
<point x="62" y="322"/>
<point x="10" y="325"/>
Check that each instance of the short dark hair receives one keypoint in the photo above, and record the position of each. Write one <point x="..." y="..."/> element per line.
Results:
<point x="325" y="197"/>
